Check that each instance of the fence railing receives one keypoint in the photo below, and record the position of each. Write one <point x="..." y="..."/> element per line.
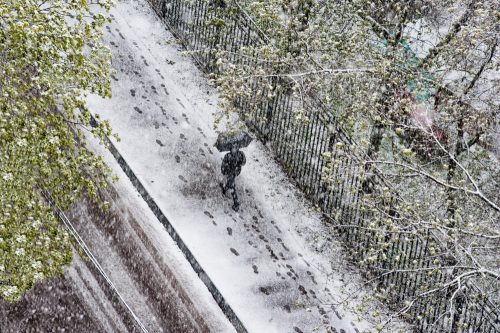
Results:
<point x="404" y="267"/>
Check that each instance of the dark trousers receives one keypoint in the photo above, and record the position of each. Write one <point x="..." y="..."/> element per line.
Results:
<point x="230" y="185"/>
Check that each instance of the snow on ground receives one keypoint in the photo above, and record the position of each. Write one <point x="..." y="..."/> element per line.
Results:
<point x="273" y="260"/>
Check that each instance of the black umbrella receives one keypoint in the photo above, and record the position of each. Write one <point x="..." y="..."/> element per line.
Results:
<point x="226" y="141"/>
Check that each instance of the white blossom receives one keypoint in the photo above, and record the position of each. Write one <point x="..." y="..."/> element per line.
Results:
<point x="22" y="142"/>
<point x="7" y="176"/>
<point x="21" y="238"/>
<point x="9" y="291"/>
<point x="36" y="265"/>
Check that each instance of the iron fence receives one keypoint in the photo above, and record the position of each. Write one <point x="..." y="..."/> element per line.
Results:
<point x="404" y="268"/>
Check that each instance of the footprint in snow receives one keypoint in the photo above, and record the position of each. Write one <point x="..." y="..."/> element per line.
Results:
<point x="182" y="137"/>
<point x="177" y="158"/>
<point x="264" y="291"/>
<point x="322" y="311"/>
<point x="159" y="73"/>
<point x="179" y="101"/>
<point x="182" y="178"/>
<point x="160" y="143"/>
<point x="207" y="213"/>
<point x="145" y="62"/>
<point x="137" y="109"/>
<point x="283" y="244"/>
<point x="229" y="231"/>
<point x="132" y="92"/>
<point x="271" y="252"/>
<point x="113" y="43"/>
<point x="255" y="269"/>
<point x="234" y="252"/>
<point x="201" y="132"/>
<point x="165" y="89"/>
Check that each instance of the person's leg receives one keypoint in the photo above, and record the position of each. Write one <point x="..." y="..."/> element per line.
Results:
<point x="223" y="187"/>
<point x="236" y="203"/>
<point x="229" y="183"/>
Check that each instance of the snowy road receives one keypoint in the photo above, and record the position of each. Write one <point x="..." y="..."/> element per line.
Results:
<point x="274" y="261"/>
<point x="152" y="276"/>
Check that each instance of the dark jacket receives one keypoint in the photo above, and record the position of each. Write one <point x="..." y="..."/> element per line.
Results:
<point x="232" y="163"/>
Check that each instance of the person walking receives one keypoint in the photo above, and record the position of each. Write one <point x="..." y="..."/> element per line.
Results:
<point x="231" y="168"/>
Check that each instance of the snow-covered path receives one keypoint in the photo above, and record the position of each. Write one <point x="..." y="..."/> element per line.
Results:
<point x="272" y="261"/>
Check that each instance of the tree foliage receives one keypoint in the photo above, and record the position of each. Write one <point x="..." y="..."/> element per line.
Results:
<point x="50" y="57"/>
<point x="415" y="84"/>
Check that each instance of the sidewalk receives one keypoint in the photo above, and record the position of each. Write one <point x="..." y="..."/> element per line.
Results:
<point x="272" y="261"/>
